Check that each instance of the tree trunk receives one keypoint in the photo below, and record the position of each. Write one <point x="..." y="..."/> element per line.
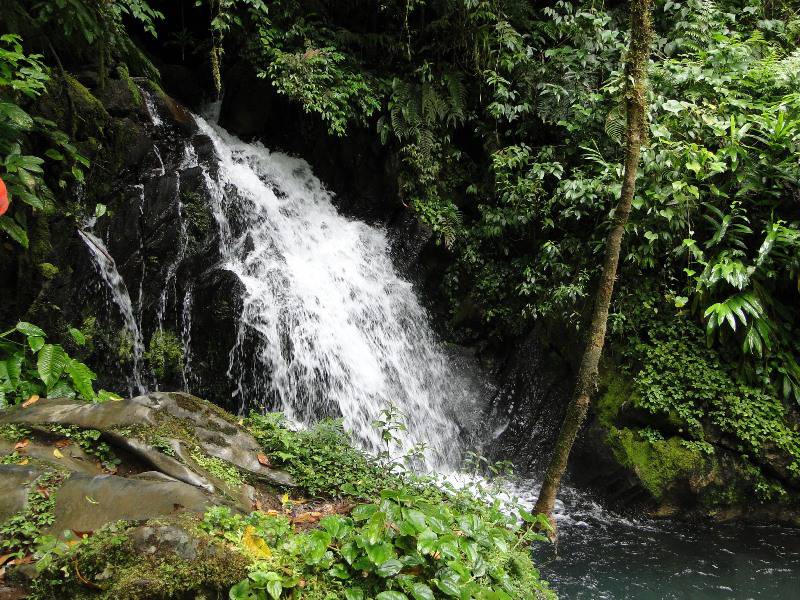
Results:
<point x="636" y="132"/>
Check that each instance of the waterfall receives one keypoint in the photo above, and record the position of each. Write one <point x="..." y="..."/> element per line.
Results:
<point x="107" y="269"/>
<point x="328" y="327"/>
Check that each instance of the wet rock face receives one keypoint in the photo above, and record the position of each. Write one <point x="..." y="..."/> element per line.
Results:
<point x="176" y="453"/>
<point x="524" y="416"/>
<point x="148" y="168"/>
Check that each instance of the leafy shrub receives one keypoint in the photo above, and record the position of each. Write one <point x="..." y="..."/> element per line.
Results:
<point x="23" y="77"/>
<point x="32" y="368"/>
<point x="398" y="548"/>
<point x="321" y="459"/>
<point x="423" y="539"/>
<point x="675" y="375"/>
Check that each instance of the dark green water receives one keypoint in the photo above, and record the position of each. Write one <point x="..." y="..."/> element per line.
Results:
<point x="602" y="555"/>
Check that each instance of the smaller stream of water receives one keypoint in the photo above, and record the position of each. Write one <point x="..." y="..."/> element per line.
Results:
<point x="107" y="269"/>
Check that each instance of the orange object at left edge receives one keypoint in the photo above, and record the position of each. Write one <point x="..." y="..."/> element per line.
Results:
<point x="3" y="198"/>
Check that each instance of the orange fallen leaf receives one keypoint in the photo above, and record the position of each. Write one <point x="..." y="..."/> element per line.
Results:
<point x="32" y="400"/>
<point x="309" y="517"/>
<point x="63" y="443"/>
<point x="21" y="445"/>
<point x="264" y="460"/>
<point x="5" y="558"/>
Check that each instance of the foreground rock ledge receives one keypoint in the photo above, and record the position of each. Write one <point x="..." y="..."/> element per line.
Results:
<point x="173" y="453"/>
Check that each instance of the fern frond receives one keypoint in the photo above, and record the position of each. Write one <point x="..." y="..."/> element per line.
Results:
<point x="615" y="124"/>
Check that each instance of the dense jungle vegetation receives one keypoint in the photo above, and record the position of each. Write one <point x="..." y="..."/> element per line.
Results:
<point x="504" y="125"/>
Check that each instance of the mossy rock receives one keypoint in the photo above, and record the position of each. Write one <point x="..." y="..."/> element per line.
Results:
<point x="175" y="452"/>
<point x="660" y="465"/>
<point x="681" y="476"/>
<point x="170" y="558"/>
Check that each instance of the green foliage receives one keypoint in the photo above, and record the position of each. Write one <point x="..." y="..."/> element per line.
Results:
<point x="110" y="555"/>
<point x="165" y="354"/>
<point x="321" y="81"/>
<point x="658" y="462"/>
<point x="19" y="532"/>
<point x="29" y="366"/>
<point x="322" y="459"/>
<point x="23" y="77"/>
<point x="677" y="378"/>
<point x="402" y="546"/>
<point x="420" y="540"/>
<point x="89" y="441"/>
<point x="96" y="30"/>
<point x="218" y="468"/>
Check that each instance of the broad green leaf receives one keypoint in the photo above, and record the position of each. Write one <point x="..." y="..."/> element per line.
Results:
<point x="12" y="369"/>
<point x="28" y="198"/>
<point x="241" y="591"/>
<point x="339" y="571"/>
<point x="15" y="116"/>
<point x="35" y="342"/>
<point x="62" y="389"/>
<point x="354" y="593"/>
<point x="362" y="512"/>
<point x="389" y="568"/>
<point x="335" y="525"/>
<point x="376" y="527"/>
<point x="77" y="336"/>
<point x="274" y="588"/>
<point x="416" y="518"/>
<point x="82" y="377"/>
<point x="420" y="591"/>
<point x="316" y="545"/>
<point x="29" y="329"/>
<point x="449" y="586"/>
<point x="379" y="553"/>
<point x="427" y="542"/>
<point x="15" y="231"/>
<point x="349" y="552"/>
<point x="50" y="362"/>
<point x="391" y="595"/>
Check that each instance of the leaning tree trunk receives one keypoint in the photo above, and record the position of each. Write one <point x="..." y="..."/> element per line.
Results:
<point x="636" y="131"/>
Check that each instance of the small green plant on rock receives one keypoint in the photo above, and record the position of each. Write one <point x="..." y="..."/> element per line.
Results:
<point x="89" y="441"/>
<point x="19" y="532"/>
<point x="218" y="468"/>
<point x="165" y="354"/>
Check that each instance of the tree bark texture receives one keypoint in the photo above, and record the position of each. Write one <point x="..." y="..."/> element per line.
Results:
<point x="635" y="135"/>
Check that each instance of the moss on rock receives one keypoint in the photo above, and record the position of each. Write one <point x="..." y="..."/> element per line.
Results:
<point x="659" y="464"/>
<point x="161" y="559"/>
<point x="165" y="354"/>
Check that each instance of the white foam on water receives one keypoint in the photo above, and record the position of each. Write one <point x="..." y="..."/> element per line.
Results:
<point x="339" y="332"/>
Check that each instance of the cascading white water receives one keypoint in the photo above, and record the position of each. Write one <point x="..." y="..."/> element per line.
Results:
<point x="107" y="269"/>
<point x="337" y="330"/>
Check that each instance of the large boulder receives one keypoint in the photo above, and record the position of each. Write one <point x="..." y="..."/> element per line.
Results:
<point x="155" y="455"/>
